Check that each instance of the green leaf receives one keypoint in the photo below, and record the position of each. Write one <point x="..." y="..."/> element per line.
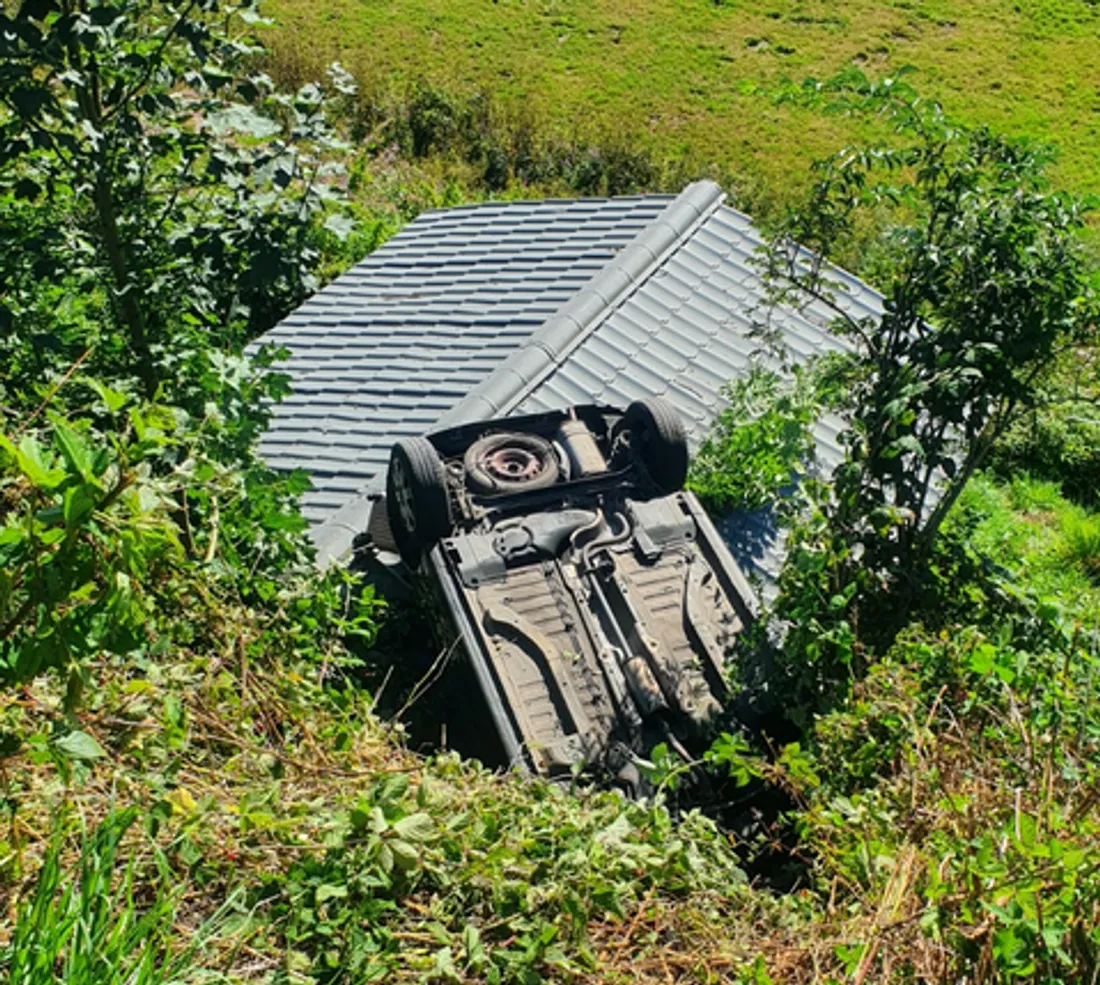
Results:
<point x="242" y="119"/>
<point x="75" y="450"/>
<point x="36" y="466"/>
<point x="79" y="747"/>
<point x="329" y="891"/>
<point x="471" y="943"/>
<point x="416" y="827"/>
<point x="77" y="506"/>
<point x="405" y="856"/>
<point x="983" y="658"/>
<point x="53" y="536"/>
<point x="341" y="226"/>
<point x="393" y="788"/>
<point x="114" y="400"/>
<point x="385" y="858"/>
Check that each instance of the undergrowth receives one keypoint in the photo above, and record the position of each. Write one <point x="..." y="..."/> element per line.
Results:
<point x="283" y="820"/>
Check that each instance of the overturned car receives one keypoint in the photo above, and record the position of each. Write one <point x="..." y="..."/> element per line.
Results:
<point x="594" y="598"/>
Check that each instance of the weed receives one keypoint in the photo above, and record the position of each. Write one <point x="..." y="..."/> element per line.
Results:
<point x="95" y="924"/>
<point x="758" y="443"/>
<point x="1030" y="495"/>
<point x="1081" y="542"/>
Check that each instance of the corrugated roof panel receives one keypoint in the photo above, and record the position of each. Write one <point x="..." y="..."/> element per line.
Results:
<point x="524" y="306"/>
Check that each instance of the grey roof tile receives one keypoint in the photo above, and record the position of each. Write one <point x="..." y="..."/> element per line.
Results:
<point x="683" y="333"/>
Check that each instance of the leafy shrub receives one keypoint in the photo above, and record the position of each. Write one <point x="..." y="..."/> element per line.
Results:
<point x="518" y="870"/>
<point x="958" y="791"/>
<point x="759" y="442"/>
<point x="1031" y="495"/>
<point x="504" y="150"/>
<point x="213" y="238"/>
<point x="1060" y="442"/>
<point x="928" y="388"/>
<point x="117" y="515"/>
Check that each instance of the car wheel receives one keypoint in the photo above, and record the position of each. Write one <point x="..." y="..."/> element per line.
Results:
<point x="510" y="462"/>
<point x="657" y="435"/>
<point x="417" y="502"/>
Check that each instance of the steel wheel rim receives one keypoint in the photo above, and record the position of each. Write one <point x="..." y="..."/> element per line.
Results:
<point x="513" y="464"/>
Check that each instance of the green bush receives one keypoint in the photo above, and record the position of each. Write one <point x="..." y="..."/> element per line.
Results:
<point x="1060" y="443"/>
<point x="959" y="791"/>
<point x="117" y="516"/>
<point x="214" y="238"/>
<point x="1081" y="542"/>
<point x="516" y="871"/>
<point x="927" y="388"/>
<point x="759" y="442"/>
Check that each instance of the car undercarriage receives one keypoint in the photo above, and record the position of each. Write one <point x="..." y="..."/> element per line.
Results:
<point x="593" y="596"/>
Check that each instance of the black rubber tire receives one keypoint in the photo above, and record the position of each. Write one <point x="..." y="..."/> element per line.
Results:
<point x="658" y="437"/>
<point x="418" y="504"/>
<point x="480" y="480"/>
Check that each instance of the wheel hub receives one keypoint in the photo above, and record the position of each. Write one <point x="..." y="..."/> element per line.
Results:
<point x="512" y="464"/>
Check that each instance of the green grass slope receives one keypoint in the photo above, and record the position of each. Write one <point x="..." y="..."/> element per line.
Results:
<point x="677" y="75"/>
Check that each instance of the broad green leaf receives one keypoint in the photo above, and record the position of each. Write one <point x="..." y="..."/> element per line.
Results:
<point x="52" y="536"/>
<point x="415" y="827"/>
<point x="115" y="400"/>
<point x="80" y="747"/>
<point x="405" y="856"/>
<point x="341" y="226"/>
<point x="385" y="858"/>
<point x="394" y="788"/>
<point x="242" y="119"/>
<point x="471" y="943"/>
<point x="328" y="891"/>
<point x="36" y="465"/>
<point x="75" y="450"/>
<point x="78" y="505"/>
<point x="983" y="658"/>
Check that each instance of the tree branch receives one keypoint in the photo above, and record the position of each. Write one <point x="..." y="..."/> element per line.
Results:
<point x="153" y="63"/>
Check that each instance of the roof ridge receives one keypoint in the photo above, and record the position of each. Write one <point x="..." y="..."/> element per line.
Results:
<point x="528" y="203"/>
<point x="551" y="343"/>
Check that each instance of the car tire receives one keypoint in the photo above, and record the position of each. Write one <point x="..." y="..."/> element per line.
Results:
<point x="658" y="437"/>
<point x="531" y="460"/>
<point x="418" y="504"/>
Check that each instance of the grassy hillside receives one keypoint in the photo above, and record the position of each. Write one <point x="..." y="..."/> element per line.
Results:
<point x="677" y="75"/>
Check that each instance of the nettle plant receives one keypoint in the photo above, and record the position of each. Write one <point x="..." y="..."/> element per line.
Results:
<point x="985" y="286"/>
<point x="160" y="197"/>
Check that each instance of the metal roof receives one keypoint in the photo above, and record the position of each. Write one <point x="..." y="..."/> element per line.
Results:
<point x="517" y="307"/>
<point x="389" y="346"/>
